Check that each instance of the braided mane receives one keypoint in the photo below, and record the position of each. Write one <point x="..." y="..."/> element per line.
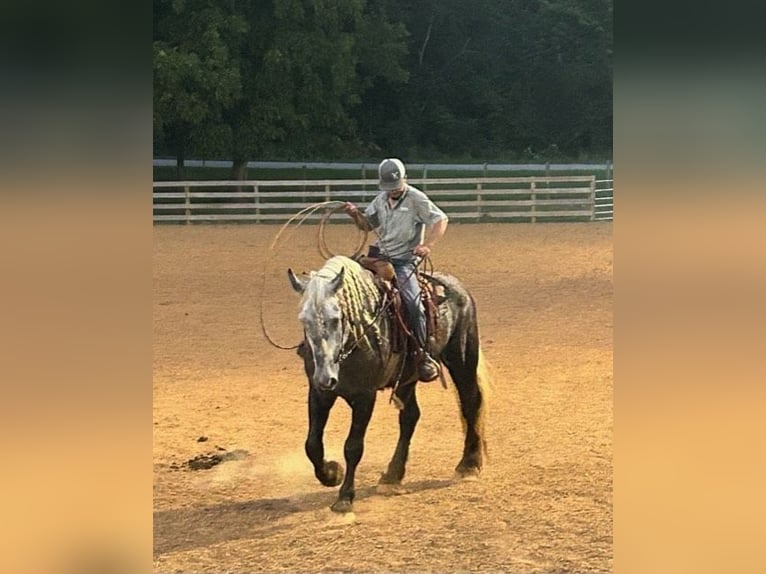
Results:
<point x="358" y="296"/>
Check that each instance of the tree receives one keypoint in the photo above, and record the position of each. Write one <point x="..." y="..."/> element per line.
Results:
<point x="196" y="72"/>
<point x="322" y="79"/>
<point x="269" y="78"/>
<point x="305" y="66"/>
<point x="496" y="78"/>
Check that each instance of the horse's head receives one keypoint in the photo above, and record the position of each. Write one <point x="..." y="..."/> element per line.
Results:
<point x="322" y="318"/>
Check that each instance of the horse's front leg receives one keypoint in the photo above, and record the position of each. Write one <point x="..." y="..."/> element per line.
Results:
<point x="361" y="411"/>
<point x="329" y="473"/>
<point x="408" y="419"/>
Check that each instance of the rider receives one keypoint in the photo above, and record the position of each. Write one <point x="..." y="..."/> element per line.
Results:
<point x="402" y="212"/>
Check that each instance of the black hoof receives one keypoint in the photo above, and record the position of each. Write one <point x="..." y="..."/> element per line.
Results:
<point x="342" y="505"/>
<point x="333" y="474"/>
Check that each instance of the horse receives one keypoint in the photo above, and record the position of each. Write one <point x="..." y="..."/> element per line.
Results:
<point x="348" y="352"/>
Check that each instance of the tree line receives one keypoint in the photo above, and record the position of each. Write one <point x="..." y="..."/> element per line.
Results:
<point x="449" y="80"/>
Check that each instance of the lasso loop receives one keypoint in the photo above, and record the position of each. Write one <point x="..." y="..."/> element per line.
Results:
<point x="324" y="250"/>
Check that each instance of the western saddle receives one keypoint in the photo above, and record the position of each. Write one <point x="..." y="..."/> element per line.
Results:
<point x="432" y="294"/>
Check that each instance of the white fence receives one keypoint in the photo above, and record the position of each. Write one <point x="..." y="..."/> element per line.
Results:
<point x="468" y="199"/>
<point x="603" y="203"/>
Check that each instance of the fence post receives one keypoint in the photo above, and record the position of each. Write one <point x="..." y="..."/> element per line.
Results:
<point x="478" y="202"/>
<point x="425" y="176"/>
<point x="257" y="201"/>
<point x="187" y="204"/>
<point x="533" y="189"/>
<point x="592" y="197"/>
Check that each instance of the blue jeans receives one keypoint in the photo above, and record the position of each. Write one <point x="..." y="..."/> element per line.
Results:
<point x="407" y="279"/>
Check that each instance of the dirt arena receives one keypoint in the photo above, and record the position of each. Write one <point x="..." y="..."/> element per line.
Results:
<point x="544" y="501"/>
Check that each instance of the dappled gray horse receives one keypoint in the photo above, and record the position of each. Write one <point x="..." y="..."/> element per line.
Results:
<point x="347" y="352"/>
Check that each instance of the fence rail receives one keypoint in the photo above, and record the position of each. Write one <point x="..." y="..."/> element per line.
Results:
<point x="412" y="167"/>
<point x="603" y="200"/>
<point x="469" y="199"/>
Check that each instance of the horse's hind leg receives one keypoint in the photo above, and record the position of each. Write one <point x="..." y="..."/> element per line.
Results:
<point x="408" y="418"/>
<point x="328" y="473"/>
<point x="462" y="359"/>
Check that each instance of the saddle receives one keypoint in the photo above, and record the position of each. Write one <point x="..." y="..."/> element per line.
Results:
<point x="431" y="292"/>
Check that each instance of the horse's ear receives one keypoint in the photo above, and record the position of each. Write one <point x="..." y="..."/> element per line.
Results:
<point x="337" y="281"/>
<point x="298" y="284"/>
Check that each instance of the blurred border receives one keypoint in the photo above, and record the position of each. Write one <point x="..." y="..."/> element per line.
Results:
<point x="76" y="295"/>
<point x="689" y="280"/>
<point x="75" y="204"/>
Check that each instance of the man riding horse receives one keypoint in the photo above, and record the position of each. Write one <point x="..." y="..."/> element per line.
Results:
<point x="400" y="214"/>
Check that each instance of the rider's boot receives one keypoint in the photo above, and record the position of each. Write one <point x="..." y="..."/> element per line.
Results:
<point x="428" y="369"/>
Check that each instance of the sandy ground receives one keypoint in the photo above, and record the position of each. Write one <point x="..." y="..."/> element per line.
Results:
<point x="544" y="500"/>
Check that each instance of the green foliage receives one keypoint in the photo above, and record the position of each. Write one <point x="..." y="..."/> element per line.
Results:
<point x="197" y="74"/>
<point x="505" y="80"/>
<point x="528" y="80"/>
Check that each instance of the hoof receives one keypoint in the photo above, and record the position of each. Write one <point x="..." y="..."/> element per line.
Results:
<point x="342" y="505"/>
<point x="386" y="478"/>
<point x="467" y="473"/>
<point x="333" y="474"/>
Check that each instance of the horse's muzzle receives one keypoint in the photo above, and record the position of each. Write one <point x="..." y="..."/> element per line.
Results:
<point x="327" y="384"/>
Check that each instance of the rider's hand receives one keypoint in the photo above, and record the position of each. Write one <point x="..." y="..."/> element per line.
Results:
<point x="350" y="208"/>
<point x="422" y="250"/>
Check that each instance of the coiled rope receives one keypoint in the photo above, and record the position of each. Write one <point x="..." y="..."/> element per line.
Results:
<point x="301" y="216"/>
